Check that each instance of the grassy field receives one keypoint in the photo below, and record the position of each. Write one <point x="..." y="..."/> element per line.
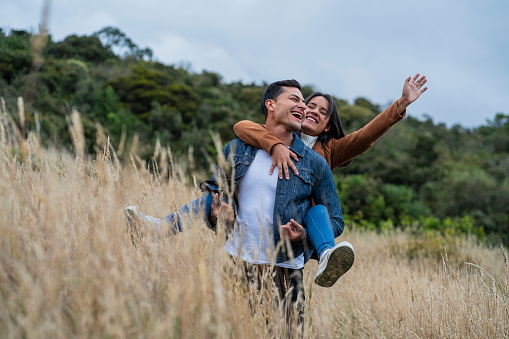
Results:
<point x="68" y="269"/>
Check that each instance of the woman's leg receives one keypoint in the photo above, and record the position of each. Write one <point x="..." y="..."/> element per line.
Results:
<point x="319" y="227"/>
<point x="139" y="223"/>
<point x="197" y="208"/>
<point x="335" y="260"/>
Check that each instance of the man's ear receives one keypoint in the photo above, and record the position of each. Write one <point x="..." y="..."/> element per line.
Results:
<point x="269" y="103"/>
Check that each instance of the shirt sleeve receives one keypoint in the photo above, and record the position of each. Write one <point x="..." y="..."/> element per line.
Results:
<point x="256" y="135"/>
<point x="219" y="178"/>
<point x="339" y="151"/>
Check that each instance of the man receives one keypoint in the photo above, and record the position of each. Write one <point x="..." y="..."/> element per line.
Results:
<point x="271" y="211"/>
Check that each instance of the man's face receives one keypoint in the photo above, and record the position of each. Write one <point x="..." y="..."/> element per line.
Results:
<point x="288" y="108"/>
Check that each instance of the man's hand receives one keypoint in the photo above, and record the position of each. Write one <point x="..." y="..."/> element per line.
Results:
<point x="412" y="90"/>
<point x="221" y="212"/>
<point x="292" y="231"/>
<point x="281" y="158"/>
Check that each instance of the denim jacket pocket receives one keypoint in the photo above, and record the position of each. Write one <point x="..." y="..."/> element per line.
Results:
<point x="308" y="179"/>
<point x="233" y="160"/>
<point x="238" y="166"/>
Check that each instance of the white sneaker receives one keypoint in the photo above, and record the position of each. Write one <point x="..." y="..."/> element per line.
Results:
<point x="334" y="262"/>
<point x="140" y="226"/>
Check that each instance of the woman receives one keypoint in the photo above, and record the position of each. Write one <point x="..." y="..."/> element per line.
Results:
<point x="322" y="131"/>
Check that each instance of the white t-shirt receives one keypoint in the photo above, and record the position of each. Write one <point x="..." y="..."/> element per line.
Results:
<point x="253" y="237"/>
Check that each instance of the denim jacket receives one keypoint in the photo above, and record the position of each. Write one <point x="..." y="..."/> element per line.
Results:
<point x="293" y="196"/>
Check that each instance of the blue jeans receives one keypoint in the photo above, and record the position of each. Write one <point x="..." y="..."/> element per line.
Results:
<point x="200" y="206"/>
<point x="316" y="221"/>
<point x="319" y="227"/>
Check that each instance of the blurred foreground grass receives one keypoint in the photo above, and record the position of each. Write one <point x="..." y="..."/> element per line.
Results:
<point x="67" y="268"/>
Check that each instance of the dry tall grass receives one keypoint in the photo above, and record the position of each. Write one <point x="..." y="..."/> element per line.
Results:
<point x="67" y="268"/>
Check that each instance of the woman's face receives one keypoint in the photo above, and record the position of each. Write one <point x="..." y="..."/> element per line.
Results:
<point x="316" y="119"/>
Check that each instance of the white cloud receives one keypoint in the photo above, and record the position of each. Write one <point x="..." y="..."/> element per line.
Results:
<point x="175" y="49"/>
<point x="348" y="48"/>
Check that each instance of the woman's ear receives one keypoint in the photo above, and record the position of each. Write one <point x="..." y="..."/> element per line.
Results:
<point x="327" y="128"/>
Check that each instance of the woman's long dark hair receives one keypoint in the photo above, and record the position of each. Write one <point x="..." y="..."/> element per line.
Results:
<point x="335" y="128"/>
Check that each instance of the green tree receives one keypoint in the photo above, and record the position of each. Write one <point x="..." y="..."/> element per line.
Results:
<point x="84" y="48"/>
<point x="114" y="39"/>
<point x="15" y="55"/>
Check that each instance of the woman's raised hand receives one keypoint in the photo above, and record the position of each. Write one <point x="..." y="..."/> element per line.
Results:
<point x="412" y="90"/>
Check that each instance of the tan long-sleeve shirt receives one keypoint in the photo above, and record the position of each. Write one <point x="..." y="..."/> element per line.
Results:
<point x="337" y="151"/>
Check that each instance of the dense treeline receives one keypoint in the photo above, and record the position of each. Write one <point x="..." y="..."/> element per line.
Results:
<point x="420" y="175"/>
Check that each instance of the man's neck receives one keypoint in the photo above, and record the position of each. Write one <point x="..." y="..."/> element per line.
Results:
<point x="281" y="132"/>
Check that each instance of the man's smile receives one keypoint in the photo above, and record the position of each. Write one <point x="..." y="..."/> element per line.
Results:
<point x="298" y="115"/>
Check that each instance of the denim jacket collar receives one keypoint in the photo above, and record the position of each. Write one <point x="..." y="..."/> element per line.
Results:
<point x="297" y="146"/>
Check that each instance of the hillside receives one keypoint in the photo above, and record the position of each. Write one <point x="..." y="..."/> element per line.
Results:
<point x="419" y="176"/>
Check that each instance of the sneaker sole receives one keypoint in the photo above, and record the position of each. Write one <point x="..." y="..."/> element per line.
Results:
<point x="340" y="261"/>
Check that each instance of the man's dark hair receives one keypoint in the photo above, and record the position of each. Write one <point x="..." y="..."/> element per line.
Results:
<point x="274" y="89"/>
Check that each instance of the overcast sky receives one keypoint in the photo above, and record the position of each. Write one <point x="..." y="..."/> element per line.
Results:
<point x="346" y="48"/>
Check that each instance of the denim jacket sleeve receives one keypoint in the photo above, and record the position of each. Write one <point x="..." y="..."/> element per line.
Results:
<point x="325" y="193"/>
<point x="220" y="183"/>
